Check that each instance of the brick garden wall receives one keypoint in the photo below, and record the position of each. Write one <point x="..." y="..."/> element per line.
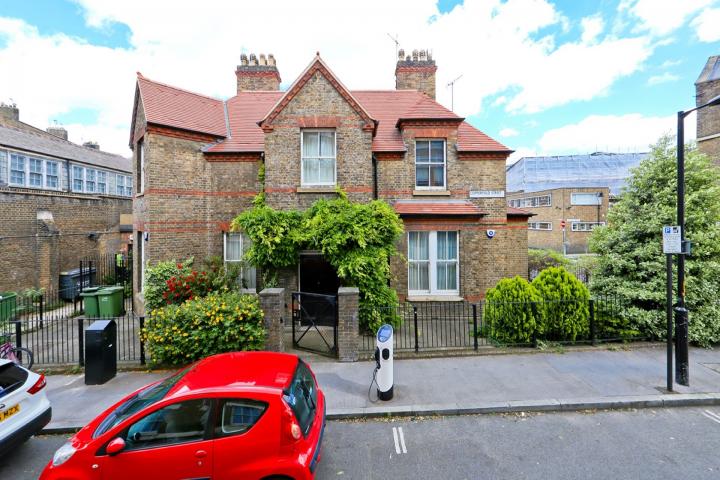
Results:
<point x="33" y="253"/>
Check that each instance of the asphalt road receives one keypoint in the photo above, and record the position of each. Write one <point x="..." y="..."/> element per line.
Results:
<point x="643" y="444"/>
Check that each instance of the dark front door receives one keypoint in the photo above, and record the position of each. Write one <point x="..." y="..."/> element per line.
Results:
<point x="317" y="275"/>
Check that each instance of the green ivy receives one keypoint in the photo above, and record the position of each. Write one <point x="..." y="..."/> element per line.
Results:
<point x="357" y="239"/>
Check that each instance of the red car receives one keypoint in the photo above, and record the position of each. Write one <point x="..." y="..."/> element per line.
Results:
<point x="245" y="415"/>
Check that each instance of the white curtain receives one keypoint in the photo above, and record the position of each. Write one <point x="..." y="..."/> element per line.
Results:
<point x="419" y="261"/>
<point x="446" y="261"/>
<point x="318" y="158"/>
<point x="233" y="247"/>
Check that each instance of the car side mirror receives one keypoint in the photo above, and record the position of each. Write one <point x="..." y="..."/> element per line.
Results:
<point x="116" y="446"/>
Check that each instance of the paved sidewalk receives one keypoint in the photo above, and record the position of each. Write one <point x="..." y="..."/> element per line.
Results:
<point x="478" y="384"/>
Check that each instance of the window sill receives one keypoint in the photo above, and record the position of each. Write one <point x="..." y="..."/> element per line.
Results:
<point x="434" y="298"/>
<point x="431" y="193"/>
<point x="319" y="189"/>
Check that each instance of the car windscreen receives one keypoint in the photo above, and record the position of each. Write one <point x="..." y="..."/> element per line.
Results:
<point x="137" y="402"/>
<point x="12" y="377"/>
<point x="301" y="396"/>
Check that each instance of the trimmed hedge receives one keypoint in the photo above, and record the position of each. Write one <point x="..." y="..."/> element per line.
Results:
<point x="564" y="313"/>
<point x="507" y="311"/>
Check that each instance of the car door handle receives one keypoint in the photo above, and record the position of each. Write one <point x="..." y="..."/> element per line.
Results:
<point x="201" y="454"/>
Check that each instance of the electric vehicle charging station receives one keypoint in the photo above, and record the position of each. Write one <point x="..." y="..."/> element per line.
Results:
<point x="384" y="361"/>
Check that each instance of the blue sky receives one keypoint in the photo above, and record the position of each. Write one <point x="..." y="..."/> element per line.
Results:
<point x="541" y="76"/>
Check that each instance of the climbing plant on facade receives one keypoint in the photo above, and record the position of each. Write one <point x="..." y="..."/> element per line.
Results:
<point x="357" y="239"/>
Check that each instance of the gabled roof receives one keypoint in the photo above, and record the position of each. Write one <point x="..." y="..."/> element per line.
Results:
<point x="711" y="71"/>
<point x="175" y="107"/>
<point x="244" y="112"/>
<point x="317" y="65"/>
<point x="30" y="139"/>
<point x="237" y="123"/>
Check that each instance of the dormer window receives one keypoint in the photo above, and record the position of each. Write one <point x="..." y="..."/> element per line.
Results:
<point x="430" y="164"/>
<point x="318" y="158"/>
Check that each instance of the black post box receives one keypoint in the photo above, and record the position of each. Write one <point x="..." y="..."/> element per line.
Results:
<point x="100" y="352"/>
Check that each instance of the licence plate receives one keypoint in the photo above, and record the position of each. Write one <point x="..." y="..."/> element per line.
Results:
<point x="9" y="412"/>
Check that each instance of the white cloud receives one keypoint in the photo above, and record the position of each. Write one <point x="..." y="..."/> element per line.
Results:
<point x="612" y="133"/>
<point x="663" y="78"/>
<point x="592" y="27"/>
<point x="509" y="132"/>
<point x="198" y="49"/>
<point x="707" y="25"/>
<point x="519" y="153"/>
<point x="662" y="17"/>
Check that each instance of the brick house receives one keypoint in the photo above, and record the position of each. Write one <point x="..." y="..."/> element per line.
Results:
<point x="197" y="160"/>
<point x="707" y="87"/>
<point x="59" y="203"/>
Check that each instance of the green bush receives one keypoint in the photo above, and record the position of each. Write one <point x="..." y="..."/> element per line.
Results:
<point x="508" y="316"/>
<point x="563" y="314"/>
<point x="156" y="278"/>
<point x="220" y="322"/>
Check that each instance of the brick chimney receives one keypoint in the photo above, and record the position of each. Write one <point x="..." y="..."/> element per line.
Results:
<point x="92" y="145"/>
<point x="257" y="73"/>
<point x="58" y="131"/>
<point x="416" y="72"/>
<point x="9" y="111"/>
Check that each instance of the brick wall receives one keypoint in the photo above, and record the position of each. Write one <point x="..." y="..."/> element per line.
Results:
<point x="282" y="147"/>
<point x="34" y="252"/>
<point x="560" y="209"/>
<point x="708" y="120"/>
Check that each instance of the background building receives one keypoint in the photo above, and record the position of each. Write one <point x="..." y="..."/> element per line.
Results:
<point x="707" y="87"/>
<point x="59" y="203"/>
<point x="574" y="189"/>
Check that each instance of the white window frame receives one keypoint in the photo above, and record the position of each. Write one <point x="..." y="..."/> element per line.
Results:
<point x="11" y="169"/>
<point x="575" y="226"/>
<point x="73" y="177"/>
<point x="595" y="196"/>
<point x="101" y="174"/>
<point x="527" y="202"/>
<point x="30" y="172"/>
<point x="58" y="173"/>
<point x="536" y="226"/>
<point x="246" y="269"/>
<point x="140" y="147"/>
<point x="432" y="264"/>
<point x="303" y="131"/>
<point x="428" y="163"/>
<point x="128" y="185"/>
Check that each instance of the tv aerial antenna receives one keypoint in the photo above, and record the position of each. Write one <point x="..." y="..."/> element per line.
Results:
<point x="451" y="86"/>
<point x="397" y="43"/>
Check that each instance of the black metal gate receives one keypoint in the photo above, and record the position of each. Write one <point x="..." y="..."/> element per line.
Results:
<point x="315" y="322"/>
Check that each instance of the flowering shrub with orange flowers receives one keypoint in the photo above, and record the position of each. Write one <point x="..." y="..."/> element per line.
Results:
<point x="202" y="326"/>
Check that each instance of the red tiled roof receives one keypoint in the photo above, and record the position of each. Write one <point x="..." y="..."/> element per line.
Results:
<point x="517" y="212"/>
<point x="178" y="108"/>
<point x="470" y="139"/>
<point x="437" y="208"/>
<point x="245" y="111"/>
<point x="174" y="107"/>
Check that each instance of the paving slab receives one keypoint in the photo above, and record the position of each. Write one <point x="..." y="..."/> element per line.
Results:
<point x="588" y="379"/>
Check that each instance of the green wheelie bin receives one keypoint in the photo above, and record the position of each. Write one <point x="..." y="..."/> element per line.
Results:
<point x="110" y="301"/>
<point x="90" y="301"/>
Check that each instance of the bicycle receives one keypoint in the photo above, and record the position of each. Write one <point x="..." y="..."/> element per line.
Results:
<point x="20" y="355"/>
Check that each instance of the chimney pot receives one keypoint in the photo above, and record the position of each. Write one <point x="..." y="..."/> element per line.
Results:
<point x="423" y="56"/>
<point x="257" y="72"/>
<point x="401" y="54"/>
<point x="92" y="145"/>
<point x="415" y="55"/>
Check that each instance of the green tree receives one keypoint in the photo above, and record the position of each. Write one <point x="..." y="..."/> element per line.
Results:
<point x="631" y="264"/>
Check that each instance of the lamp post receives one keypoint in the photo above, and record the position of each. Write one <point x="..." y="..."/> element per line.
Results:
<point x="682" y="370"/>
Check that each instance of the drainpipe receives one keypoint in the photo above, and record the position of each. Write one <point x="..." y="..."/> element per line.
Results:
<point x="374" y="173"/>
